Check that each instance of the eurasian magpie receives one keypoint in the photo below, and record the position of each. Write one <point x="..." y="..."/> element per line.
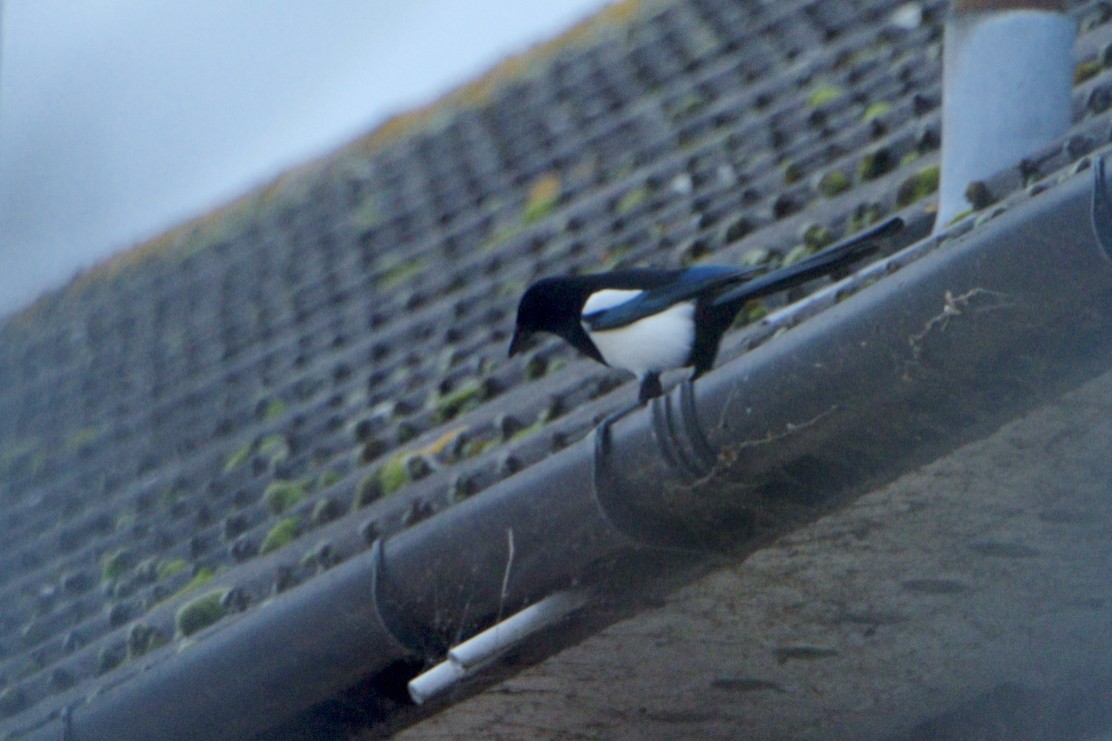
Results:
<point x="648" y="321"/>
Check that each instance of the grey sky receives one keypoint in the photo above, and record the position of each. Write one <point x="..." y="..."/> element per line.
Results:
<point x="119" y="118"/>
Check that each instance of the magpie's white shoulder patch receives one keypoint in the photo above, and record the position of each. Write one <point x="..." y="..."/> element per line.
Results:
<point x="607" y="298"/>
<point x="656" y="343"/>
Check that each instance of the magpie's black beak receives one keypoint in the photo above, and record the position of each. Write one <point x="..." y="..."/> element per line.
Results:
<point x="520" y="341"/>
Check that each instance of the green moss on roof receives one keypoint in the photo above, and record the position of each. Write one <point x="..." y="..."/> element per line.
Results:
<point x="275" y="448"/>
<point x="281" y="495"/>
<point x="476" y="446"/>
<point x="239" y="456"/>
<point x="817" y="236"/>
<point x="631" y="200"/>
<point x="959" y="216"/>
<point x="271" y="442"/>
<point x="527" y="431"/>
<point x="400" y="272"/>
<point x="865" y="215"/>
<point x="822" y="95"/>
<point x="543" y="196"/>
<point x="874" y="164"/>
<point x="201" y="577"/>
<point x="755" y="311"/>
<point x="327" y="479"/>
<point x="875" y="110"/>
<point x="919" y="185"/>
<point x="401" y="469"/>
<point x="167" y="569"/>
<point x="116" y="564"/>
<point x="798" y="253"/>
<point x="281" y="535"/>
<point x="443" y="442"/>
<point x="1085" y="70"/>
<point x="204" y="575"/>
<point x="469" y="395"/>
<point x="755" y="256"/>
<point x="833" y="182"/>
<point x="201" y="613"/>
<point x="393" y="474"/>
<point x="273" y="409"/>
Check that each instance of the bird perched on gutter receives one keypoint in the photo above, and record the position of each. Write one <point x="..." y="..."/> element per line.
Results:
<point x="648" y="321"/>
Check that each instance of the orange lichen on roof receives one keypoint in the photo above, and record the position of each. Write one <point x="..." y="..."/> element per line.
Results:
<point x="482" y="89"/>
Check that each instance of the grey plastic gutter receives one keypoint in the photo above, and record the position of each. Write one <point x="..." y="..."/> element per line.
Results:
<point x="974" y="333"/>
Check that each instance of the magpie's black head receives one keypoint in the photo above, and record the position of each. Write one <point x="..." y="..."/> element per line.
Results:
<point x="549" y="305"/>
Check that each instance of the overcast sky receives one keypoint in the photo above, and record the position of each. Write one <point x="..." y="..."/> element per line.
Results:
<point x="120" y="118"/>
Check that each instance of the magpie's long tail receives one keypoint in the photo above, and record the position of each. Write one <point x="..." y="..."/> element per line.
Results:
<point x="817" y="265"/>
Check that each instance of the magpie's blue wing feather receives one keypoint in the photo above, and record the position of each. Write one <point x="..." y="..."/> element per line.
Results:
<point x="819" y="264"/>
<point x="732" y="286"/>
<point x="688" y="285"/>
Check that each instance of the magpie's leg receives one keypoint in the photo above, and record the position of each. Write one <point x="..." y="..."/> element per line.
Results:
<point x="650" y="388"/>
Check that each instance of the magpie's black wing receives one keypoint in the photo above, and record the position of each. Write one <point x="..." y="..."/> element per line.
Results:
<point x="819" y="264"/>
<point x="688" y="285"/>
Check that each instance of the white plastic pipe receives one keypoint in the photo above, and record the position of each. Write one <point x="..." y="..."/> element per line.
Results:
<point x="435" y="680"/>
<point x="480" y="650"/>
<point x="1007" y="77"/>
<point x="497" y="639"/>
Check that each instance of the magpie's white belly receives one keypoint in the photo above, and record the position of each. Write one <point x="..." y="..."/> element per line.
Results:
<point x="652" y="344"/>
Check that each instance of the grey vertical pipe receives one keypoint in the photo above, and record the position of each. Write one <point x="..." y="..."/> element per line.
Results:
<point x="1006" y="81"/>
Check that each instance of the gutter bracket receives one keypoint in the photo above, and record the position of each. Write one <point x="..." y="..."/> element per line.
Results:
<point x="1102" y="207"/>
<point x="707" y="455"/>
<point x="679" y="435"/>
<point x="390" y="612"/>
<point x="681" y="444"/>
